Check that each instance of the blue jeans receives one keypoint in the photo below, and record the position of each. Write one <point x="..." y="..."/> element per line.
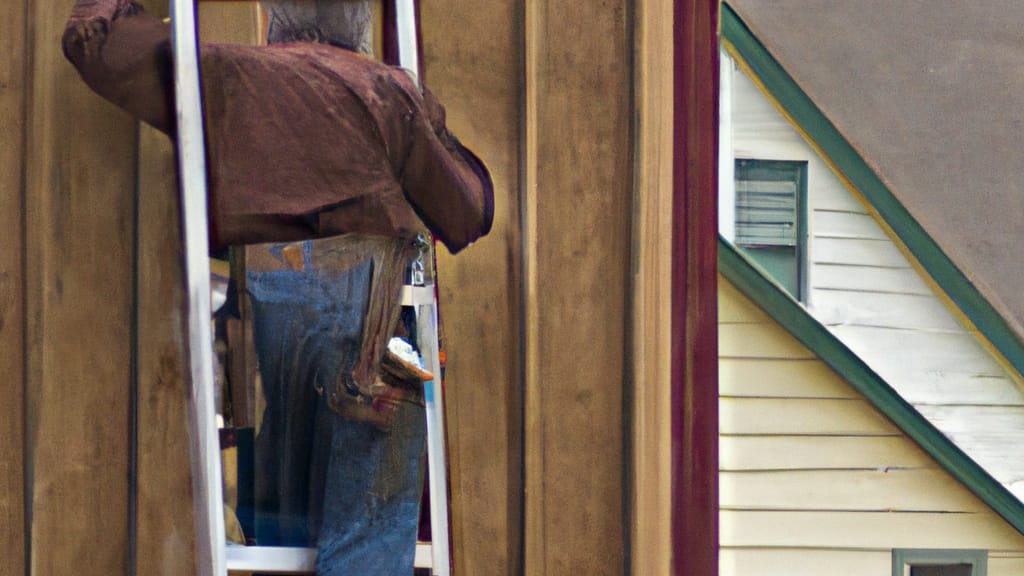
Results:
<point x="347" y="487"/>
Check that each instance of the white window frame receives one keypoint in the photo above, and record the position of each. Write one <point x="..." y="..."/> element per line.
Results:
<point x="905" y="558"/>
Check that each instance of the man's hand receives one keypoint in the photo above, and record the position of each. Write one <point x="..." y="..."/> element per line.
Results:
<point x="84" y="39"/>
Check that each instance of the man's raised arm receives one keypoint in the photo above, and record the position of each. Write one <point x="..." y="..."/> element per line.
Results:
<point x="124" y="55"/>
<point x="446" y="183"/>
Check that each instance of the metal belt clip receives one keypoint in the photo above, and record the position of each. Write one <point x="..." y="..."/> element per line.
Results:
<point x="417" y="268"/>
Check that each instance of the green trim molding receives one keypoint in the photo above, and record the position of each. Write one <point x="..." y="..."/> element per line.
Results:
<point x="795" y="319"/>
<point x="810" y="119"/>
<point x="902" y="557"/>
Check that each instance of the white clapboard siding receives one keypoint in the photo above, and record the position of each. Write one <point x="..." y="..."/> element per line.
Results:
<point x="883" y="309"/>
<point x="985" y="432"/>
<point x="800" y="416"/>
<point x="878" y="490"/>
<point x="814" y="480"/>
<point x="829" y="193"/>
<point x="819" y="562"/>
<point x="856" y="252"/>
<point x="758" y="341"/>
<point x="756" y="128"/>
<point x="869" y="278"/>
<point x="908" y="352"/>
<point x="859" y="277"/>
<point x="846" y="530"/>
<point x="804" y="562"/>
<point x="957" y="420"/>
<point x="947" y="388"/>
<point x="999" y="565"/>
<point x="760" y="453"/>
<point x="845" y="224"/>
<point x="738" y="310"/>
<point x="823" y="471"/>
<point x="785" y="378"/>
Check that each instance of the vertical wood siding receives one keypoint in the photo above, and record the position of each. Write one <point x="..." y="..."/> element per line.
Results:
<point x="813" y="477"/>
<point x="543" y="92"/>
<point x="71" y="174"/>
<point x="651" y="289"/>
<point x="103" y="324"/>
<point x="165" y="534"/>
<point x="80" y="169"/>
<point x="13" y="66"/>
<point x="472" y="55"/>
<point x="578" y="207"/>
<point x="694" y="351"/>
<point x="872" y="297"/>
<point x="164" y="537"/>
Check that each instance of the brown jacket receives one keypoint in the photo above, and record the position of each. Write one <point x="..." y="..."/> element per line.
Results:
<point x="303" y="140"/>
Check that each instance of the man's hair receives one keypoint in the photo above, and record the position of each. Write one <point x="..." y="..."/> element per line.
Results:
<point x="346" y="23"/>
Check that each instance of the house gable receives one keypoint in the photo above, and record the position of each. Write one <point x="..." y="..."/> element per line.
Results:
<point x="855" y="278"/>
<point x="929" y="94"/>
<point x="823" y="463"/>
<point x="868" y="289"/>
<point x="849" y="166"/>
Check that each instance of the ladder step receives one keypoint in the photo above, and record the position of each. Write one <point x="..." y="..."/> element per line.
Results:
<point x="281" y="560"/>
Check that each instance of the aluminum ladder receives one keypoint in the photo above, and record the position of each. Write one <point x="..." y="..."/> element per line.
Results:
<point x="212" y="555"/>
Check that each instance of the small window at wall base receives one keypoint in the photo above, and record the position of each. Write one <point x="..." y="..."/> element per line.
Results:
<point x="771" y="218"/>
<point x="918" y="562"/>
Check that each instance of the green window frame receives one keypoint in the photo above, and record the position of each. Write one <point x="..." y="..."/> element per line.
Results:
<point x="771" y="218"/>
<point x="939" y="562"/>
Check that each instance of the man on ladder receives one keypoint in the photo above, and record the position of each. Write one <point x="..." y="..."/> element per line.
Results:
<point x="306" y="139"/>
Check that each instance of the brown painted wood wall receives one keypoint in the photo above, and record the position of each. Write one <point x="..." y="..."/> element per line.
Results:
<point x="94" y="465"/>
<point x="79" y="210"/>
<point x="579" y="208"/>
<point x="13" y="66"/>
<point x="535" y="315"/>
<point x="473" y="62"/>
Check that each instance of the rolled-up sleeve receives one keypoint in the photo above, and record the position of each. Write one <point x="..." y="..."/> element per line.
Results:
<point x="446" y="183"/>
<point x="124" y="55"/>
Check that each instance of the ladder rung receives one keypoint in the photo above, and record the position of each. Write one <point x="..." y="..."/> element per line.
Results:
<point x="417" y="295"/>
<point x="271" y="559"/>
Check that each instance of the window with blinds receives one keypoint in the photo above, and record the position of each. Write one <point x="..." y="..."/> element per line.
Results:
<point x="939" y="562"/>
<point x="766" y="213"/>
<point x="770" y="217"/>
<point x="942" y="570"/>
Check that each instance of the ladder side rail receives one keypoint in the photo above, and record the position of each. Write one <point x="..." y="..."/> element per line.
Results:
<point x="407" y="33"/>
<point x="211" y="543"/>
<point x="205" y="448"/>
<point x="433" y="394"/>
